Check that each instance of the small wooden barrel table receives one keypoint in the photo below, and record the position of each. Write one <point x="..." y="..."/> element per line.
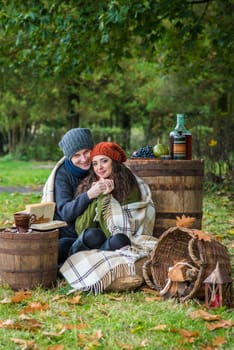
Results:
<point x="28" y="260"/>
<point x="176" y="186"/>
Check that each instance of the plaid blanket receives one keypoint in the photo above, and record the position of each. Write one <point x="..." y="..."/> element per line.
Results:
<point x="48" y="189"/>
<point x="94" y="270"/>
<point x="132" y="219"/>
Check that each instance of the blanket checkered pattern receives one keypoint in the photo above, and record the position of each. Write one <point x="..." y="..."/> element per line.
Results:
<point x="94" y="270"/>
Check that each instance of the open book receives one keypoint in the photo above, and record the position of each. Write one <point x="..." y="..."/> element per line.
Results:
<point x="44" y="213"/>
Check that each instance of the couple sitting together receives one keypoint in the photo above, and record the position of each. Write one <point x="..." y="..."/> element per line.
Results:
<point x="105" y="205"/>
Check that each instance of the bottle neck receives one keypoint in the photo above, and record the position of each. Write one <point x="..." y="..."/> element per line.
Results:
<point x="180" y="120"/>
<point x="180" y="123"/>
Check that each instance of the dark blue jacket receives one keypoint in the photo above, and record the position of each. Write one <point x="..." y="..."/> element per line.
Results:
<point x="67" y="207"/>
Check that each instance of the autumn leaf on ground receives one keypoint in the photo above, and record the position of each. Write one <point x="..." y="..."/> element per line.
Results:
<point x="202" y="236"/>
<point x="34" y="307"/>
<point x="144" y="343"/>
<point x="184" y="221"/>
<point x="219" y="340"/>
<point x="10" y="324"/>
<point x="90" y="340"/>
<point x="126" y="347"/>
<point x="57" y="297"/>
<point x="74" y="326"/>
<point x="160" y="327"/>
<point x="136" y="330"/>
<point x="150" y="299"/>
<point x="219" y="324"/>
<point x="27" y="344"/>
<point x="115" y="298"/>
<point x="6" y="301"/>
<point x="150" y="291"/>
<point x="75" y="300"/>
<point x="56" y="347"/>
<point x="186" y="336"/>
<point x="204" y="315"/>
<point x="65" y="328"/>
<point x="20" y="296"/>
<point x="26" y="324"/>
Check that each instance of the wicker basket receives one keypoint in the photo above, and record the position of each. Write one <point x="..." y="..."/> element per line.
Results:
<point x="182" y="244"/>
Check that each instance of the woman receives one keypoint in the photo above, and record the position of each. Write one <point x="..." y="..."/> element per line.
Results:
<point x="122" y="212"/>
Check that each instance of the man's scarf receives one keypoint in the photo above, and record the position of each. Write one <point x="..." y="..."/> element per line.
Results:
<point x="133" y="219"/>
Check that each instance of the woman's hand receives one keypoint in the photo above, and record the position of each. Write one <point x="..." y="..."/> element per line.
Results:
<point x="102" y="186"/>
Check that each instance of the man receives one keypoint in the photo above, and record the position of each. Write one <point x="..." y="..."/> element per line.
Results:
<point x="61" y="185"/>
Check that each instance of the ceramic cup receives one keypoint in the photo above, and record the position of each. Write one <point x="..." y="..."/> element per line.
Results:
<point x="23" y="221"/>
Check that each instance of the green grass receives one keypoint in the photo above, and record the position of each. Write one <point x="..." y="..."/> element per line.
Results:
<point x="19" y="173"/>
<point x="110" y="320"/>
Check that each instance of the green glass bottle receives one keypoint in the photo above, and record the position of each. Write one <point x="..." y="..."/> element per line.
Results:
<point x="180" y="140"/>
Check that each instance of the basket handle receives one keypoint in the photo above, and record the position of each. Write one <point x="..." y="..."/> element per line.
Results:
<point x="145" y="271"/>
<point x="191" y="251"/>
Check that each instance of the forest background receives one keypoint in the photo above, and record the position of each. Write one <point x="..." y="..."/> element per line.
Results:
<point x="122" y="68"/>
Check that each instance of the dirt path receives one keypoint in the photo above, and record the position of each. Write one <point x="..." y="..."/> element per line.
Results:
<point x="21" y="189"/>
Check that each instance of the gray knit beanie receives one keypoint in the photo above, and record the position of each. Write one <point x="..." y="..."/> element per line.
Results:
<point x="75" y="140"/>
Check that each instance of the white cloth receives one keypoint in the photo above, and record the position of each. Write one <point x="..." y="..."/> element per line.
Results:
<point x="48" y="189"/>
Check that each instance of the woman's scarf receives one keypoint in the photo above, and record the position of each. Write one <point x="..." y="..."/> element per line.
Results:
<point x="133" y="219"/>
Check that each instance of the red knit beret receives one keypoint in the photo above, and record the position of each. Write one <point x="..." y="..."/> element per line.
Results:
<point x="109" y="149"/>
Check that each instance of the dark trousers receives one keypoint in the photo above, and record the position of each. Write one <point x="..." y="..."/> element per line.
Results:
<point x="92" y="238"/>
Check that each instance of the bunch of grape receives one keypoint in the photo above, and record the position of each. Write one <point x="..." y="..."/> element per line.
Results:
<point x="143" y="152"/>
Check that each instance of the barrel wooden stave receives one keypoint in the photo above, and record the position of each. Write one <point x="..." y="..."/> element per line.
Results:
<point x="28" y="260"/>
<point x="176" y="187"/>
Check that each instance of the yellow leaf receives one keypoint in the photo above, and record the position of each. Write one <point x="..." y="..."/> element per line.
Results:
<point x="213" y="143"/>
<point x="160" y="327"/>
<point x="184" y="221"/>
<point x="219" y="340"/>
<point x="20" y="296"/>
<point x="219" y="324"/>
<point x="137" y="329"/>
<point x="204" y="315"/>
<point x="202" y="236"/>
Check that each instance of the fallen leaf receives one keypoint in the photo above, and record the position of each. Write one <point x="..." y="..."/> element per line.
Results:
<point x="204" y="315"/>
<point x="187" y="334"/>
<point x="33" y="307"/>
<point x="219" y="340"/>
<point x="202" y="236"/>
<point x="74" y="326"/>
<point x="219" y="324"/>
<point x="144" y="343"/>
<point x="75" y="300"/>
<point x="184" y="221"/>
<point x="115" y="298"/>
<point x="27" y="344"/>
<point x="11" y="324"/>
<point x="160" y="327"/>
<point x="150" y="291"/>
<point x="57" y="297"/>
<point x="56" y="347"/>
<point x="53" y="334"/>
<point x="20" y="296"/>
<point x="136" y="330"/>
<point x="126" y="347"/>
<point x="207" y="347"/>
<point x="6" y="301"/>
<point x="150" y="299"/>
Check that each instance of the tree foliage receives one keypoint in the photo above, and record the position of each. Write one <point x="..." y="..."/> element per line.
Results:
<point x="116" y="65"/>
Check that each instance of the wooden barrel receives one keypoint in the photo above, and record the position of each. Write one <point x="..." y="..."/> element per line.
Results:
<point x="176" y="186"/>
<point x="28" y="260"/>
